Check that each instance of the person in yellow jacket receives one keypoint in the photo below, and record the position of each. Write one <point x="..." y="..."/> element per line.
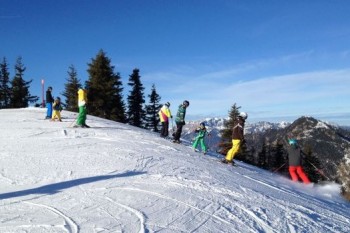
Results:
<point x="164" y="115"/>
<point x="82" y="100"/>
<point x="237" y="137"/>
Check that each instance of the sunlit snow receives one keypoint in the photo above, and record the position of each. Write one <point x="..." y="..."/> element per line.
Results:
<point x="117" y="178"/>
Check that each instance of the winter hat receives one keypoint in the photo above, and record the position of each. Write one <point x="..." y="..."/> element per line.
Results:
<point x="244" y="115"/>
<point x="167" y="104"/>
<point x="186" y="103"/>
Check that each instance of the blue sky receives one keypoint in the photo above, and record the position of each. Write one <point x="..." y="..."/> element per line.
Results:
<point x="278" y="60"/>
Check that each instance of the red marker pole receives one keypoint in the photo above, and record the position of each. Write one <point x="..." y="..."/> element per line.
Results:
<point x="42" y="89"/>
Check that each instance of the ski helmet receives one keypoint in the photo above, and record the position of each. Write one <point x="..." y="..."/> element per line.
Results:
<point x="244" y="115"/>
<point x="167" y="104"/>
<point x="187" y="103"/>
<point x="292" y="141"/>
<point x="202" y="124"/>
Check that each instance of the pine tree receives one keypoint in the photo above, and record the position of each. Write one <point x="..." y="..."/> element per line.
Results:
<point x="278" y="160"/>
<point x="262" y="157"/>
<point x="152" y="117"/>
<point x="136" y="113"/>
<point x="104" y="90"/>
<point x="312" y="165"/>
<point x="20" y="89"/>
<point x="226" y="133"/>
<point x="5" y="90"/>
<point x="71" y="89"/>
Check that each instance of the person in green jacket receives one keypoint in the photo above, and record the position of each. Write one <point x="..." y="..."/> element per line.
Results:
<point x="180" y="120"/>
<point x="201" y="132"/>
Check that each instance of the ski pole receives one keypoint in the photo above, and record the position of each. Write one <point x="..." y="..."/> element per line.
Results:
<point x="71" y="124"/>
<point x="276" y="170"/>
<point x="318" y="170"/>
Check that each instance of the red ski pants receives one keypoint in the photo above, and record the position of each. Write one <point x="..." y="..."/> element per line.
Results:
<point x="297" y="171"/>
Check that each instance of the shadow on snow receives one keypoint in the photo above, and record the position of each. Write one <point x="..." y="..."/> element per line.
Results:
<point x="57" y="187"/>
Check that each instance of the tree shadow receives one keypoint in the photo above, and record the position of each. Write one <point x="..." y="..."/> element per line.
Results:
<point x="57" y="187"/>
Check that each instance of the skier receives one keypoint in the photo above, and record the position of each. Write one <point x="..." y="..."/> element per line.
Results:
<point x="237" y="137"/>
<point x="180" y="120"/>
<point x="82" y="99"/>
<point x="49" y="101"/>
<point x="294" y="160"/>
<point x="164" y="115"/>
<point x="202" y="131"/>
<point x="57" y="108"/>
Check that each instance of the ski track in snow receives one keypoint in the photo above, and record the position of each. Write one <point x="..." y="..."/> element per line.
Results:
<point x="137" y="213"/>
<point x="69" y="223"/>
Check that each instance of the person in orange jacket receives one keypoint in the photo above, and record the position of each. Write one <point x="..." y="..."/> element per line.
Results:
<point x="164" y="115"/>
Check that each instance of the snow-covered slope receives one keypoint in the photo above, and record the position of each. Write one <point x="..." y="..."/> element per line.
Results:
<point x="117" y="178"/>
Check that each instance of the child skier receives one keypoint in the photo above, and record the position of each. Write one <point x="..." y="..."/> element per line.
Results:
<point x="57" y="108"/>
<point x="202" y="131"/>
<point x="294" y="160"/>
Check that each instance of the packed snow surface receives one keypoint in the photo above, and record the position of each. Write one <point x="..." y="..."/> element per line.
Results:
<point x="117" y="178"/>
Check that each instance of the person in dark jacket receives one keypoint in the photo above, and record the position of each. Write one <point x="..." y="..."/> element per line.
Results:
<point x="180" y="120"/>
<point x="237" y="137"/>
<point x="294" y="161"/>
<point x="57" y="108"/>
<point x="49" y="101"/>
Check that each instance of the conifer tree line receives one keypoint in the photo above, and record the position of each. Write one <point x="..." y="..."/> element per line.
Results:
<point x="14" y="91"/>
<point x="104" y="93"/>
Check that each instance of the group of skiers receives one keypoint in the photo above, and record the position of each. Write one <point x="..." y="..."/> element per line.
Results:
<point x="294" y="152"/>
<point x="165" y="115"/>
<point x="54" y="108"/>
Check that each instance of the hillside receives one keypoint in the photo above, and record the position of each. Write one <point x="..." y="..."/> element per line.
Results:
<point x="118" y="178"/>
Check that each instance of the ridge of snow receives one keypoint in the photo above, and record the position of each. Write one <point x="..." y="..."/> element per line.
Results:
<point x="118" y="178"/>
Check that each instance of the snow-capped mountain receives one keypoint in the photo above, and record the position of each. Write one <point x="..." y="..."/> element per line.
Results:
<point x="327" y="142"/>
<point x="114" y="177"/>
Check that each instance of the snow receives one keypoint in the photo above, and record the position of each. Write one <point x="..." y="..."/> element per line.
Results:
<point x="321" y="125"/>
<point x="118" y="178"/>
